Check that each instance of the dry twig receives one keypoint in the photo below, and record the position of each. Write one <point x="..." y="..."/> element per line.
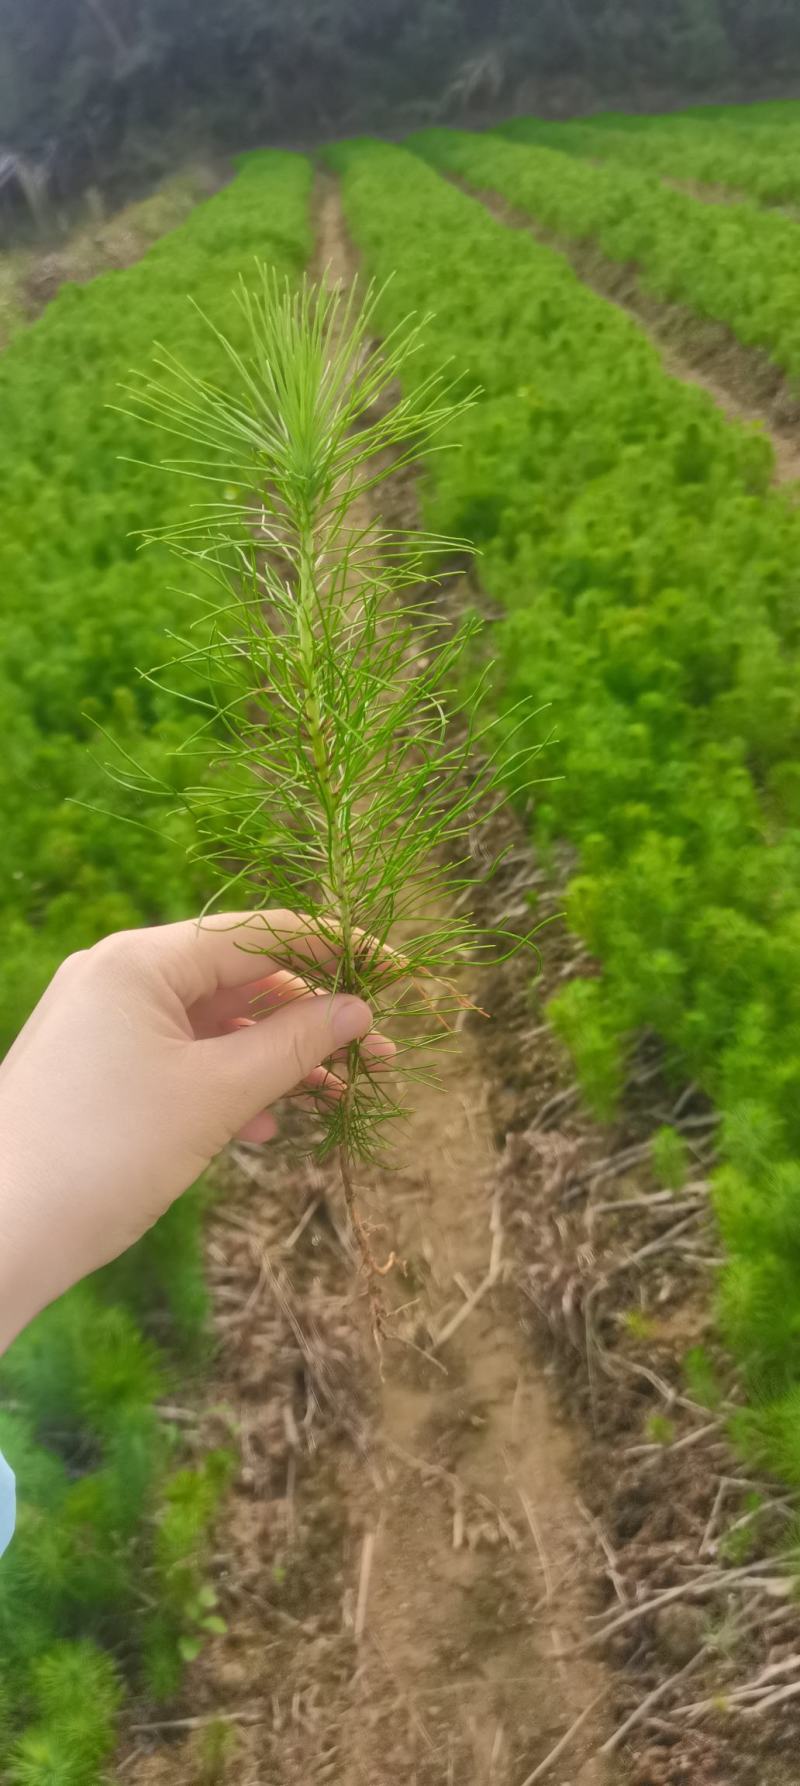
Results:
<point x="367" y="1555"/>
<point x="493" y="1273"/>
<point x="564" y="1742"/>
<point x="646" y="1705"/>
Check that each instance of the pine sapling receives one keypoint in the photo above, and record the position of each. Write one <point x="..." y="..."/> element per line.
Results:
<point x="336" y="765"/>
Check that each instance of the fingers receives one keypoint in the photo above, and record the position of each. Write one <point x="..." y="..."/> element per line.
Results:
<point x="200" y="958"/>
<point x="377" y="1052"/>
<point x="260" y="1062"/>
<point x="320" y="1089"/>
<point x="260" y="1129"/>
<point x="254" y="1000"/>
<point x="233" y="1006"/>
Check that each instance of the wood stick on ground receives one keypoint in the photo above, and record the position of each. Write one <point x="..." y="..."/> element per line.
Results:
<point x="616" y="1579"/>
<point x="200" y="1723"/>
<point x="699" y="1585"/>
<point x="615" y="1163"/>
<point x="760" y="1688"/>
<point x="765" y="1705"/>
<point x="711" y="1524"/>
<point x="427" y="1468"/>
<point x="685" y="1098"/>
<point x="493" y="1273"/>
<point x="458" y="1519"/>
<point x="288" y="1246"/>
<point x="646" y="1705"/>
<point x="564" y="1742"/>
<point x="367" y="1556"/>
<point x="547" y="1574"/>
<point x="544" y="1561"/>
<point x="405" y="1697"/>
<point x="658" y="1200"/>
<point x="616" y="1361"/>
<point x="562" y="1100"/>
<point x="682" y="1444"/>
<point x="462" y="1314"/>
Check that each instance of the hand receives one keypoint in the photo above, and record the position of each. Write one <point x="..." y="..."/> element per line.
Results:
<point x="146" y="1055"/>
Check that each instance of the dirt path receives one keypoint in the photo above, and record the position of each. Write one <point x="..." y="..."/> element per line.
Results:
<point x="471" y="1537"/>
<point x="741" y="381"/>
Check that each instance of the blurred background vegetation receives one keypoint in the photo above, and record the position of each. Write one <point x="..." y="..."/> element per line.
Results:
<point x="89" y="88"/>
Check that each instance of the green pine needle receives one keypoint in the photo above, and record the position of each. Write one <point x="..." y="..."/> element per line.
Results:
<point x="341" y="768"/>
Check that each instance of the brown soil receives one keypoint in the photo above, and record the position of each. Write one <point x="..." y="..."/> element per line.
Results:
<point x="705" y="192"/>
<point x="743" y="382"/>
<point x="726" y="195"/>
<point x="422" y="1569"/>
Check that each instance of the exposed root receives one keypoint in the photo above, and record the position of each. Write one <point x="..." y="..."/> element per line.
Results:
<point x="369" y="1264"/>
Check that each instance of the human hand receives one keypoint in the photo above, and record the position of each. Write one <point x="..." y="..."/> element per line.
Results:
<point x="146" y="1055"/>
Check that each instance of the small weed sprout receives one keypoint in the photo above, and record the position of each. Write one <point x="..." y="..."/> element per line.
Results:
<point x="660" y="1430"/>
<point x="670" y="1157"/>
<point x="640" y="1326"/>
<point x="701" y="1378"/>
<point x="347" y="767"/>
<point x="215" y="1752"/>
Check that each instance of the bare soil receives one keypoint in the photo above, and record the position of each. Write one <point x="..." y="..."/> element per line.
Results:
<point x="432" y="1569"/>
<point x="707" y="193"/>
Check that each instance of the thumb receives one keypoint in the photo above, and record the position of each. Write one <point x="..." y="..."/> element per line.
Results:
<point x="255" y="1066"/>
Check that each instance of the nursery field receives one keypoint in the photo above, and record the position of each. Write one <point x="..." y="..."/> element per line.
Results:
<point x="241" y="1555"/>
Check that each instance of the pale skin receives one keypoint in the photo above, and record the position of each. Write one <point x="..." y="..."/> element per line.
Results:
<point x="147" y="1054"/>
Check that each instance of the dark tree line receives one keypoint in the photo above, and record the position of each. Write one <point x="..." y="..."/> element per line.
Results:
<point x="88" y="84"/>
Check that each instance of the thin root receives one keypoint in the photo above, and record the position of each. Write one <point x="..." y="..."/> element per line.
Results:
<point x="372" y="1270"/>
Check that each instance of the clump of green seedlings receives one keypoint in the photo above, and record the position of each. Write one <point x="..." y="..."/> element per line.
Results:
<point x="342" y="765"/>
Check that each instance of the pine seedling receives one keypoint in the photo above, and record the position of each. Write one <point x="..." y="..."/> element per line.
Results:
<point x="342" y="765"/>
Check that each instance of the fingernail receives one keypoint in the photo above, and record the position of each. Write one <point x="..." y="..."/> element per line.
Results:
<point x="350" y="1018"/>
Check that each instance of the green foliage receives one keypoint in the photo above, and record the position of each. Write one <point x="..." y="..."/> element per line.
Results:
<point x="660" y="1430"/>
<point x="215" y="1751"/>
<point x="77" y="479"/>
<point x="579" y="1015"/>
<point x="164" y="1272"/>
<point x="76" y="1696"/>
<point x="639" y="1326"/>
<point x="719" y="150"/>
<point x="670" y="1157"/>
<point x="733" y="263"/>
<point x="646" y="574"/>
<point x="186" y="1604"/>
<point x="769" y="1431"/>
<point x="81" y="1365"/>
<point x="111" y="1544"/>
<point x="701" y="1378"/>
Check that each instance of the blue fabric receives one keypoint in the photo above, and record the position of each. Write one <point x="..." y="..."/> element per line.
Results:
<point x="8" y="1504"/>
